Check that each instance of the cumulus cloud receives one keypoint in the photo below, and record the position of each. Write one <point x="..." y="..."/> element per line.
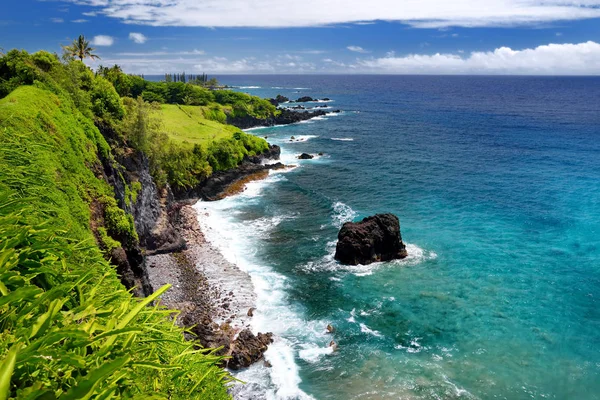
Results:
<point x="57" y="20"/>
<point x="551" y="59"/>
<point x="103" y="40"/>
<point x="267" y="13"/>
<point x="137" y="37"/>
<point x="357" y="49"/>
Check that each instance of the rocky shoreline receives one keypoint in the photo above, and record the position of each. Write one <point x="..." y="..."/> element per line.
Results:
<point x="216" y="299"/>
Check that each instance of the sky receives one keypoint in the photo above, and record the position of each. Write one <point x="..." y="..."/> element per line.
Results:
<point x="520" y="37"/>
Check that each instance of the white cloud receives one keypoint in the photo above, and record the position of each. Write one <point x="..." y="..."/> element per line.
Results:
<point x="273" y="14"/>
<point x="194" y="52"/>
<point x="357" y="49"/>
<point x="551" y="59"/>
<point x="138" y="37"/>
<point x="103" y="40"/>
<point x="80" y="21"/>
<point x="57" y="20"/>
<point x="90" y="14"/>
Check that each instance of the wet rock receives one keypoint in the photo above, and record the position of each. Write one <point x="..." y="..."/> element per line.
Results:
<point x="305" y="156"/>
<point x="304" y="99"/>
<point x="251" y="311"/>
<point x="330" y="328"/>
<point x="248" y="348"/>
<point x="373" y="239"/>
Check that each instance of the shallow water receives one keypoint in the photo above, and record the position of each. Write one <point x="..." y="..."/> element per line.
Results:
<point x="496" y="181"/>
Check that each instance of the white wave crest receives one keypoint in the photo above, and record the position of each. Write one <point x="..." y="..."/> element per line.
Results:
<point x="312" y="354"/>
<point x="301" y="138"/>
<point x="342" y="213"/>
<point x="343" y="139"/>
<point x="366" y="329"/>
<point x="249" y="87"/>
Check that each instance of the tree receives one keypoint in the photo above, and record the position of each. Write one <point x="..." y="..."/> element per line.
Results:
<point x="81" y="49"/>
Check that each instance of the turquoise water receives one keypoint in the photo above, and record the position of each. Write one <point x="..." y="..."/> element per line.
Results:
<point x="496" y="181"/>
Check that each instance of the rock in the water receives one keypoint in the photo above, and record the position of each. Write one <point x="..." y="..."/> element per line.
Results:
<point x="251" y="311"/>
<point x="305" y="156"/>
<point x="330" y="328"/>
<point x="373" y="239"/>
<point x="247" y="348"/>
<point x="305" y="99"/>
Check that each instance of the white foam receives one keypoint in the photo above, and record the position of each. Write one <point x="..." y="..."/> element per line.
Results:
<point x="238" y="241"/>
<point x="333" y="114"/>
<point x="249" y="87"/>
<point x="342" y="213"/>
<point x="352" y="318"/>
<point x="261" y="127"/>
<point x="312" y="353"/>
<point x="300" y="139"/>
<point x="366" y="329"/>
<point x="343" y="139"/>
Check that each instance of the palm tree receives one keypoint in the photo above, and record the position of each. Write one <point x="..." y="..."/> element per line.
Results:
<point x="81" y="49"/>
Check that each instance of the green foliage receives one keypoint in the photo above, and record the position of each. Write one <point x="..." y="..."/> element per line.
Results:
<point x="118" y="223"/>
<point x="80" y="48"/>
<point x="68" y="328"/>
<point x="228" y="153"/>
<point x="106" y="102"/>
<point x="16" y="69"/>
<point x="215" y="113"/>
<point x="107" y="243"/>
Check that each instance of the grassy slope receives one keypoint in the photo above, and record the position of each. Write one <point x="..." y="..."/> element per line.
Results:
<point x="57" y="294"/>
<point x="187" y="124"/>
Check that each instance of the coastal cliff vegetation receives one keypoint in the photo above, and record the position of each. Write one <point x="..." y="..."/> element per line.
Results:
<point x="69" y="328"/>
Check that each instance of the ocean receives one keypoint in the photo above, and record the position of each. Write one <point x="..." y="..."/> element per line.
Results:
<point x="496" y="182"/>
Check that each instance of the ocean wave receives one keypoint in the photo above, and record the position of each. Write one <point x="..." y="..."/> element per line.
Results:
<point x="237" y="240"/>
<point x="249" y="87"/>
<point x="301" y="138"/>
<point x="416" y="255"/>
<point x="342" y="213"/>
<point x="342" y="139"/>
<point x="262" y="127"/>
<point x="334" y="114"/>
<point x="365" y="329"/>
<point x="313" y="353"/>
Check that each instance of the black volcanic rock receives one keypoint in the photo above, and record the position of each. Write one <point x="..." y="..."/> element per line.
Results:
<point x="373" y="239"/>
<point x="248" y="348"/>
<point x="278" y="100"/>
<point x="286" y="117"/>
<point x="305" y="156"/>
<point x="305" y="99"/>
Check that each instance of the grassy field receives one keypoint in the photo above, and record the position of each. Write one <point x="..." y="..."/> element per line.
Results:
<point x="187" y="124"/>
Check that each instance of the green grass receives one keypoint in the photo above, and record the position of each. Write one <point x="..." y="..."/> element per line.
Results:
<point x="68" y="327"/>
<point x="186" y="124"/>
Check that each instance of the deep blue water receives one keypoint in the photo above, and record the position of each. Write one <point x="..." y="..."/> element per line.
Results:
<point x="496" y="181"/>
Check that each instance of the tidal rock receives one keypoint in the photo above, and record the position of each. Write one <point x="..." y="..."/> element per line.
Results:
<point x="247" y="348"/>
<point x="330" y="328"/>
<point x="305" y="156"/>
<point x="305" y="99"/>
<point x="251" y="311"/>
<point x="373" y="239"/>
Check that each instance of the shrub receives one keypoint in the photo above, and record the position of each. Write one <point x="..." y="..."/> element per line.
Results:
<point x="106" y="103"/>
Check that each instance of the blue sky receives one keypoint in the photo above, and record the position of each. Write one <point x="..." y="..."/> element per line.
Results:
<point x="318" y="36"/>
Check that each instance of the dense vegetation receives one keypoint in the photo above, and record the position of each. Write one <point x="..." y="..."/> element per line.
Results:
<point x="68" y="328"/>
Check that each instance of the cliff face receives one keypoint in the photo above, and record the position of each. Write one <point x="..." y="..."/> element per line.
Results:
<point x="154" y="210"/>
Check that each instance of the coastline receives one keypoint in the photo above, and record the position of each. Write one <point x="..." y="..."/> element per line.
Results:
<point x="203" y="280"/>
<point x="215" y="298"/>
